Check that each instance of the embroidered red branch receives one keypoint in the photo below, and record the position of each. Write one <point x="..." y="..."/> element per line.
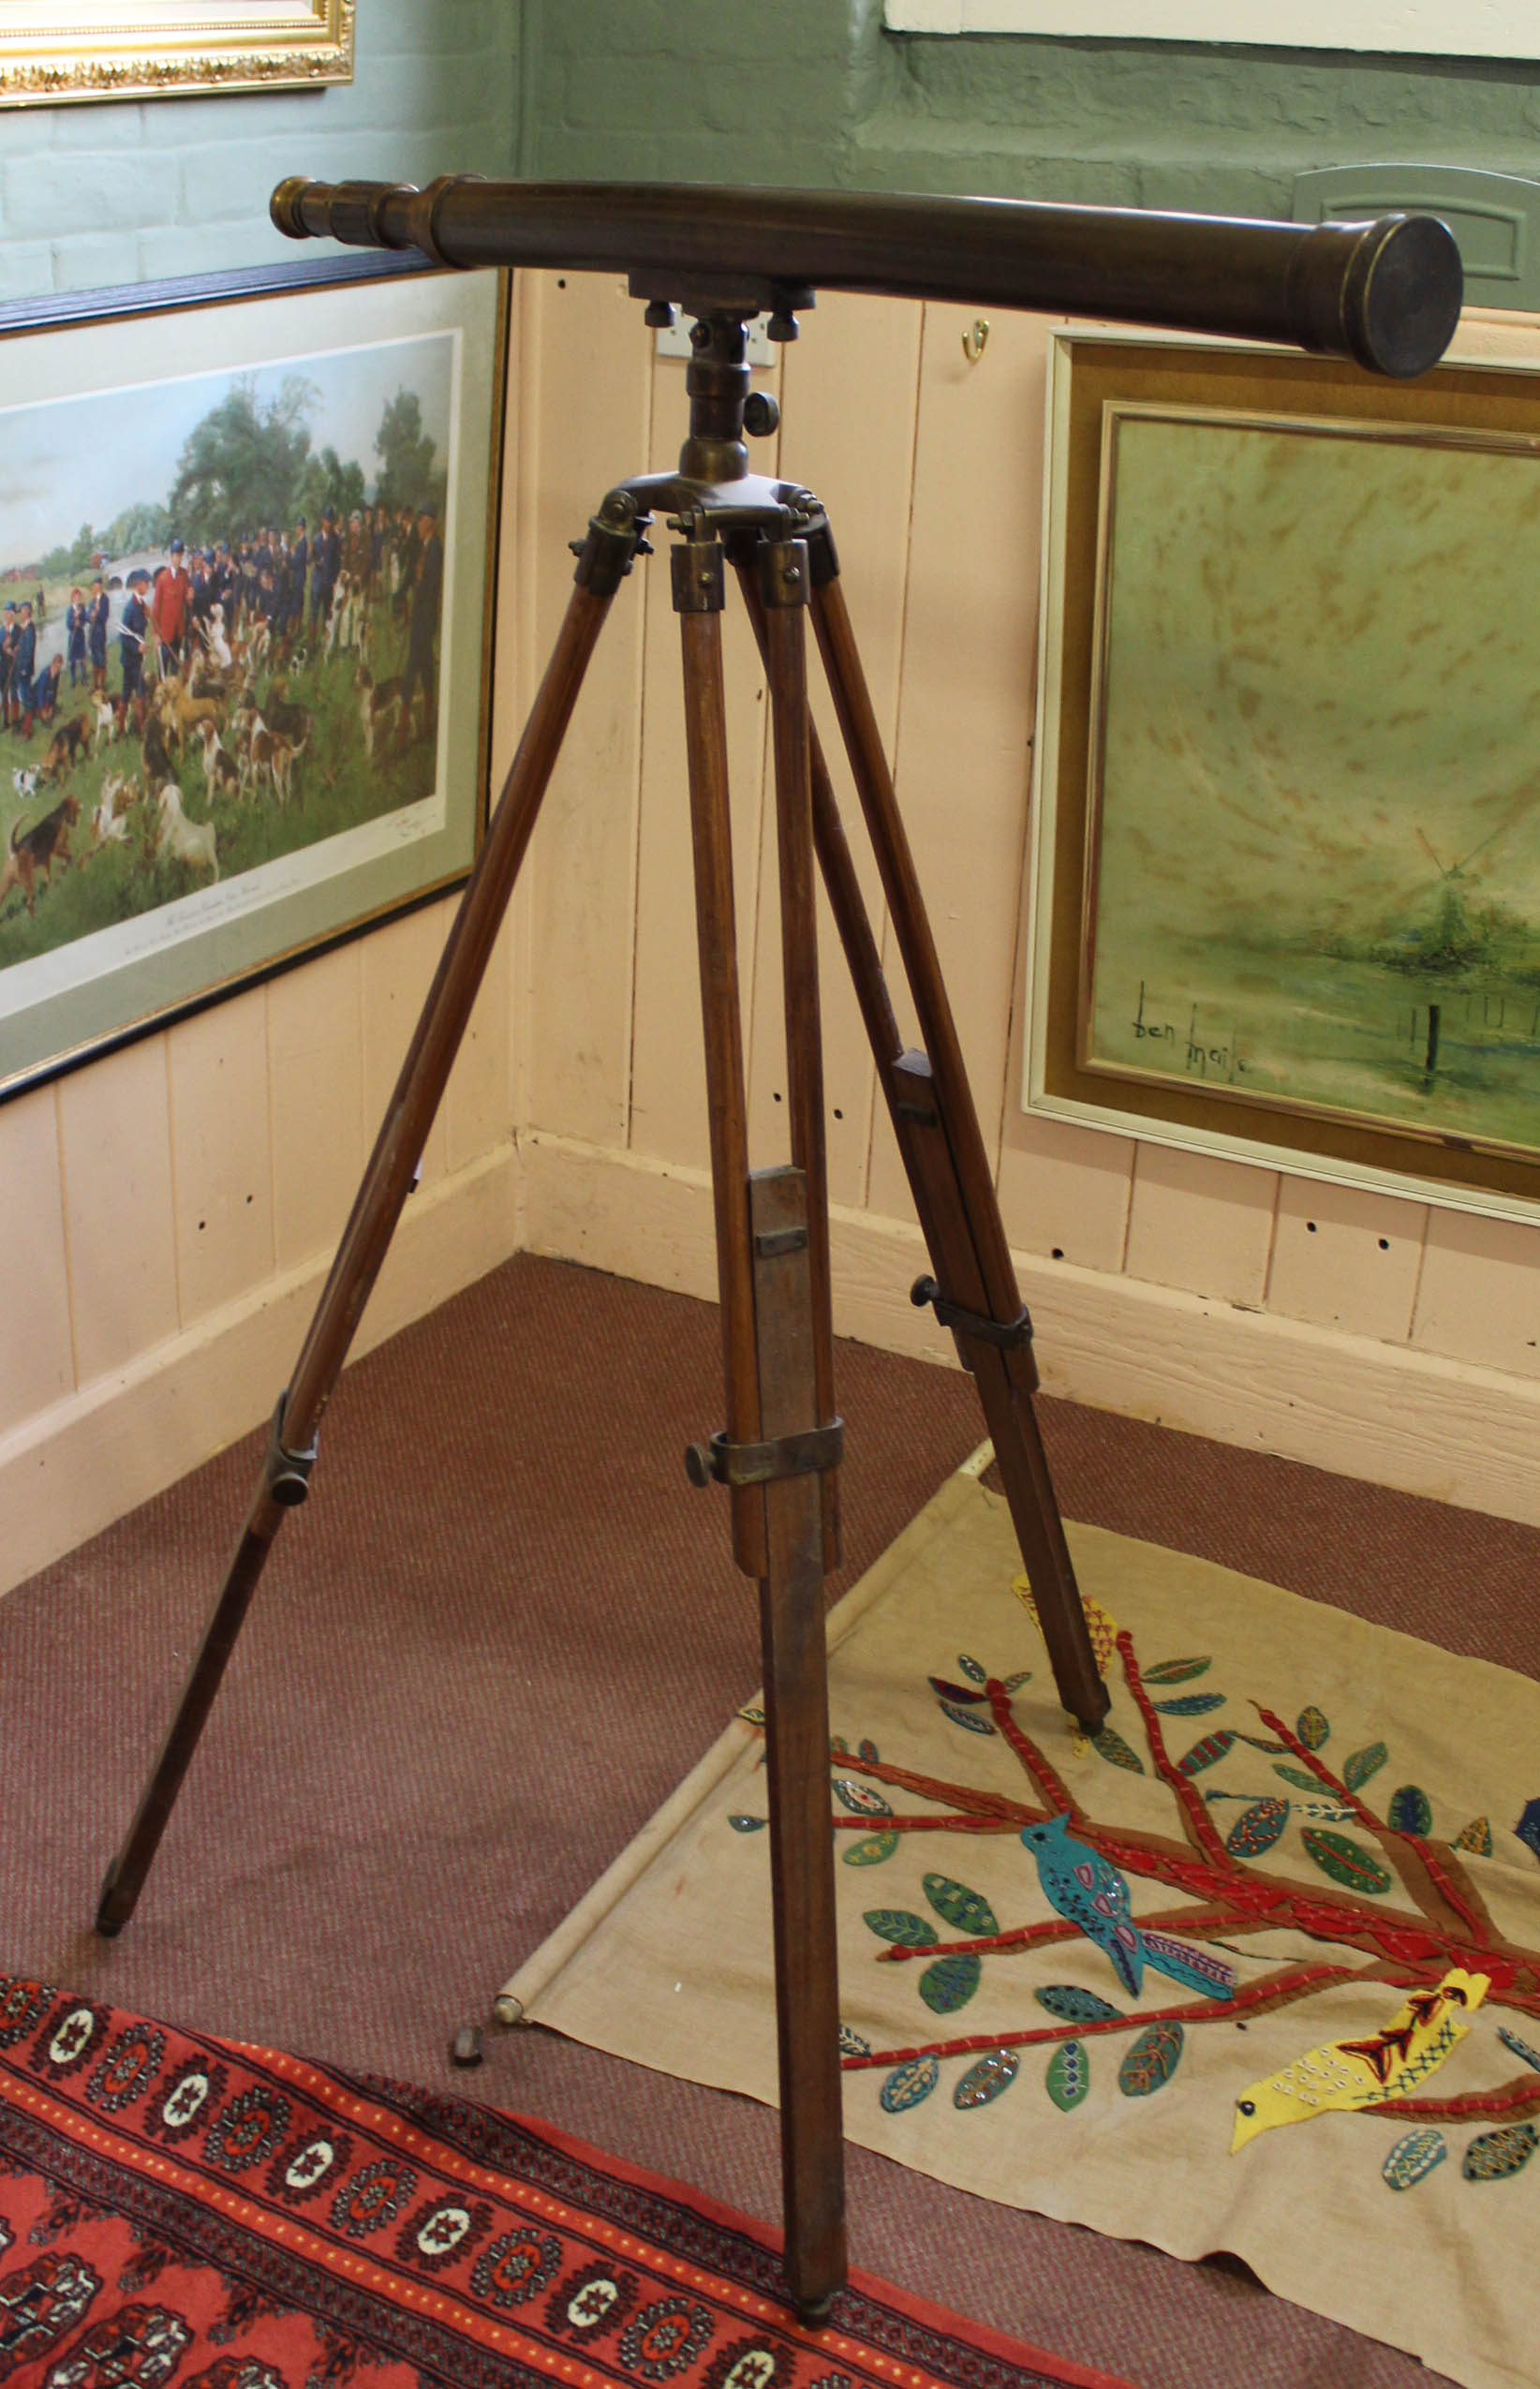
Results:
<point x="1429" y="1875"/>
<point x="1049" y="1782"/>
<point x="1510" y="2103"/>
<point x="1200" y="1825"/>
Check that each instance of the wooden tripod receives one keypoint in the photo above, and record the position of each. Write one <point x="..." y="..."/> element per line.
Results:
<point x="778" y="1452"/>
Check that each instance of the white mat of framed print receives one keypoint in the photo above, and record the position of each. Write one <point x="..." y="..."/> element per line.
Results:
<point x="1285" y="898"/>
<point x="1412" y="27"/>
<point x="246" y="582"/>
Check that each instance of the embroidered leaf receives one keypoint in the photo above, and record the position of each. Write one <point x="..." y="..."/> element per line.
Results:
<point x="862" y="1797"/>
<point x="1014" y="1683"/>
<point x="908" y="2085"/>
<point x="968" y="1912"/>
<point x="1528" y="1827"/>
<point x="1520" y="2048"/>
<point x="1153" y="2060"/>
<point x="1414" y="2157"/>
<point x="1191" y="1704"/>
<point x="901" y="1926"/>
<point x="1109" y="1745"/>
<point x="869" y="1752"/>
<point x="1257" y="1830"/>
<point x="969" y="1718"/>
<point x="1344" y="1860"/>
<point x="751" y="1715"/>
<point x="1477" y="1837"/>
<point x="1069" y="2075"/>
<point x="852" y="2044"/>
<point x="870" y="1850"/>
<point x="747" y="1824"/>
<point x="838" y="1746"/>
<point x="985" y="2079"/>
<point x="1312" y="1727"/>
<point x="945" y="1689"/>
<point x="952" y="1982"/>
<point x="1273" y="1749"/>
<point x="1068" y="2000"/>
<point x="1411" y="1811"/>
<point x="1205" y="1753"/>
<point x="971" y="1668"/>
<point x="1492" y="2156"/>
<point x="1176" y="1671"/>
<point x="1362" y="1764"/>
<point x="1300" y="1775"/>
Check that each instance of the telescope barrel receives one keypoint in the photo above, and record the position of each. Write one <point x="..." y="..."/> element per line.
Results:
<point x="1385" y="293"/>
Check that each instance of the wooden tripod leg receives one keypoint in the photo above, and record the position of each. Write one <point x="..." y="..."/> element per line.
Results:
<point x="943" y="1151"/>
<point x="796" y="1727"/>
<point x="768" y="1344"/>
<point x="387" y="1181"/>
<point x="783" y="589"/>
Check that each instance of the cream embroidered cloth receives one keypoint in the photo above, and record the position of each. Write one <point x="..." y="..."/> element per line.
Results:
<point x="1307" y="1736"/>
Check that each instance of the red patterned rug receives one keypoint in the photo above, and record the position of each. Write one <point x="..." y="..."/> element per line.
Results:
<point x="177" y="2208"/>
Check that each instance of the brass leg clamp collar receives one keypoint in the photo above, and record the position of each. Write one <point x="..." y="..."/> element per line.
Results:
<point x="286" y="1474"/>
<point x="1008" y="1333"/>
<point x="721" y="1462"/>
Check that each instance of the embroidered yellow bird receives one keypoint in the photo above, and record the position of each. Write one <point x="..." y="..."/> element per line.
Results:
<point x="1389" y="2063"/>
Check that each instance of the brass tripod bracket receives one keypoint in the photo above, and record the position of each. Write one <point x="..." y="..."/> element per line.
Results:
<point x="808" y="1454"/>
<point x="286" y="1475"/>
<point x="615" y="539"/>
<point x="1008" y="1333"/>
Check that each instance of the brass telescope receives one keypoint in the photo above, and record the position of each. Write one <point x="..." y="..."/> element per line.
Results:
<point x="1385" y="293"/>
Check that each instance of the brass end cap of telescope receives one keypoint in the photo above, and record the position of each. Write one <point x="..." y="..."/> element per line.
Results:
<point x="1395" y="306"/>
<point x="284" y="206"/>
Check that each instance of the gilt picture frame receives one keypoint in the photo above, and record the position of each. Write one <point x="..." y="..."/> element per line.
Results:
<point x="247" y="576"/>
<point x="52" y="50"/>
<point x="1284" y="882"/>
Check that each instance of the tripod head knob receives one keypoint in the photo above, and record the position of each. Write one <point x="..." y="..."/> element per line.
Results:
<point x="760" y="415"/>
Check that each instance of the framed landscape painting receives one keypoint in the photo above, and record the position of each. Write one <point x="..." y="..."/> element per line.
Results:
<point x="1285" y="900"/>
<point x="63" y="49"/>
<point x="246" y="588"/>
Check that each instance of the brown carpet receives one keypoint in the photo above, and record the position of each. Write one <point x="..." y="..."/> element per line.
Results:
<point x="498" y="1634"/>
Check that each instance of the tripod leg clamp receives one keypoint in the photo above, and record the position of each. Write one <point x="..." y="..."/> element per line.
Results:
<point x="286" y="1474"/>
<point x="1008" y="1333"/>
<point x="721" y="1462"/>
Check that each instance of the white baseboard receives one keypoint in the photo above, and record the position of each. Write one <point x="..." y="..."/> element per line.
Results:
<point x="1381" y="1411"/>
<point x="75" y="1467"/>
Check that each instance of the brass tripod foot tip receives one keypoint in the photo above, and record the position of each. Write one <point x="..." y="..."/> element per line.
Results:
<point x="813" y="2313"/>
<point x="507" y="2010"/>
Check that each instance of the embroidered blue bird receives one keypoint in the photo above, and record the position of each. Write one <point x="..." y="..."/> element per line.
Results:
<point x="1088" y="1891"/>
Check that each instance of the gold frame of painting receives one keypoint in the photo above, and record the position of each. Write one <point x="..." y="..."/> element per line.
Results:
<point x="1101" y="383"/>
<point x="67" y="49"/>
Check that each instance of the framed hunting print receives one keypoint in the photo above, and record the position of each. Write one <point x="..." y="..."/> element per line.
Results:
<point x="58" y="49"/>
<point x="1285" y="900"/>
<point x="246" y="576"/>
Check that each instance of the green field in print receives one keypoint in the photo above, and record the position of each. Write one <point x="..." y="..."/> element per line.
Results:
<point x="1318" y="866"/>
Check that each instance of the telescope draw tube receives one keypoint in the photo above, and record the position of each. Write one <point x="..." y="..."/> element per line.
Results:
<point x="1386" y="293"/>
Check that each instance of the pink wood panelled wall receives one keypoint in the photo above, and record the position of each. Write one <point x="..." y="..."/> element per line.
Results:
<point x="932" y="469"/>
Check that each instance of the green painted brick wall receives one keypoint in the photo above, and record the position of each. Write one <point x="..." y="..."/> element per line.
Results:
<point x="98" y="193"/>
<point x="815" y="92"/>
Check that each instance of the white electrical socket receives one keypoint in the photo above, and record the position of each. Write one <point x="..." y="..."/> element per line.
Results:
<point x="675" y="342"/>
